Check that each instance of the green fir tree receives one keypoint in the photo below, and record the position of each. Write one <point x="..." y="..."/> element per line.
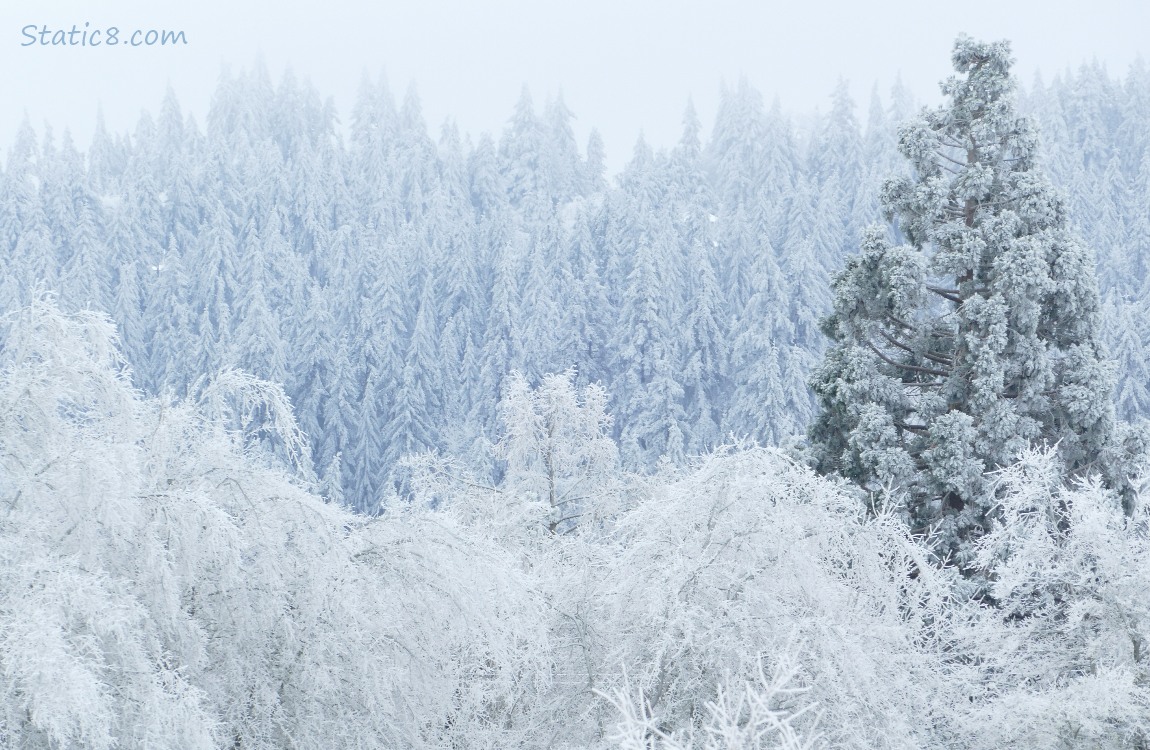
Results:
<point x="975" y="337"/>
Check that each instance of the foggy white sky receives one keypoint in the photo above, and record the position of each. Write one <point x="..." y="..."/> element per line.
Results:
<point x="623" y="67"/>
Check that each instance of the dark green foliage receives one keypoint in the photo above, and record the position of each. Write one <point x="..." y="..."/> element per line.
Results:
<point x="976" y="337"/>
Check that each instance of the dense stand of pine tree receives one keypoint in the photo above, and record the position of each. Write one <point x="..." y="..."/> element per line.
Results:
<point x="392" y="280"/>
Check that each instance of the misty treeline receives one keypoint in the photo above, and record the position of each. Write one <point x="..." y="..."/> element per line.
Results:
<point x="391" y="280"/>
<point x="391" y="441"/>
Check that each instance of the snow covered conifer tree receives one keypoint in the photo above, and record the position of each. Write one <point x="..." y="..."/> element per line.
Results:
<point x="978" y="336"/>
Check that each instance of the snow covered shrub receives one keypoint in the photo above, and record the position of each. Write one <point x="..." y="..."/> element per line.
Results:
<point x="1063" y="650"/>
<point x="165" y="588"/>
<point x="753" y="716"/>
<point x="750" y="554"/>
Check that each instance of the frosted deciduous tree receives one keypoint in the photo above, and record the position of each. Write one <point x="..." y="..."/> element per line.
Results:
<point x="1063" y="657"/>
<point x="724" y="570"/>
<point x="558" y="449"/>
<point x="166" y="585"/>
<point x="758" y="714"/>
<point x="976" y="336"/>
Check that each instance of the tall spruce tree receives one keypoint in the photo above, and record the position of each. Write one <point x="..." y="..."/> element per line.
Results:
<point x="978" y="335"/>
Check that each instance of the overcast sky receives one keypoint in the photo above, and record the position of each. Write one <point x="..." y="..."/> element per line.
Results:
<point x="623" y="67"/>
